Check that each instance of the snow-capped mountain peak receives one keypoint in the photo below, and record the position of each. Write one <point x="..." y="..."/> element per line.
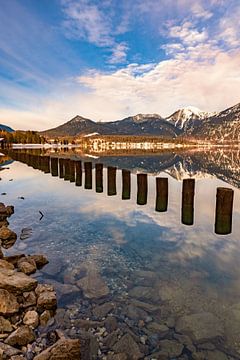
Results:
<point x="186" y="117"/>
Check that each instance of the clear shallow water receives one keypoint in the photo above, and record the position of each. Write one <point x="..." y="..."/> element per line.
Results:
<point x="142" y="255"/>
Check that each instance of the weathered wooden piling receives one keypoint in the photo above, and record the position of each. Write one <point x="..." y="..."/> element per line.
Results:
<point x="61" y="168"/>
<point x="99" y="177"/>
<point x="54" y="166"/>
<point x="72" y="170"/>
<point x="88" y="175"/>
<point x="66" y="170"/>
<point x="188" y="192"/>
<point x="111" y="180"/>
<point x="142" y="189"/>
<point x="126" y="184"/>
<point x="78" y="180"/>
<point x="224" y="209"/>
<point x="45" y="161"/>
<point x="161" y="194"/>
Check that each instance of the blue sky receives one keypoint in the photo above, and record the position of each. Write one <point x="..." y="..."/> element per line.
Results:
<point x="109" y="59"/>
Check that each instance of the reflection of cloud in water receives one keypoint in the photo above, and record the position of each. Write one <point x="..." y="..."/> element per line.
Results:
<point x="130" y="225"/>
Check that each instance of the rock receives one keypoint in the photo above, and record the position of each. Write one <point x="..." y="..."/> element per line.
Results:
<point x="29" y="299"/>
<point x="45" y="317"/>
<point x="22" y="336"/>
<point x="160" y="329"/>
<point x="7" y="237"/>
<point x="14" y="259"/>
<point x="135" y="313"/>
<point x="101" y="311"/>
<point x="120" y="356"/>
<point x="47" y="300"/>
<point x="41" y="288"/>
<point x="201" y="327"/>
<point x="111" y="323"/>
<point x="8" y="303"/>
<point x="40" y="260"/>
<point x="87" y="324"/>
<point x="54" y="267"/>
<point x="171" y="348"/>
<point x="111" y="339"/>
<point x="144" y="293"/>
<point x="64" y="289"/>
<point x="128" y="346"/>
<point x="8" y="350"/>
<point x="27" y="265"/>
<point x="5" y="325"/>
<point x="93" y="285"/>
<point x="16" y="282"/>
<point x="145" y="306"/>
<point x="31" y="319"/>
<point x="64" y="349"/>
<point x="6" y="265"/>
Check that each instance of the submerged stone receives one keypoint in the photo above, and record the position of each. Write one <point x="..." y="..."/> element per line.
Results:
<point x="201" y="327"/>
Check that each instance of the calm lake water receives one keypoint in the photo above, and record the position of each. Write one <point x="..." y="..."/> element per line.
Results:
<point x="169" y="279"/>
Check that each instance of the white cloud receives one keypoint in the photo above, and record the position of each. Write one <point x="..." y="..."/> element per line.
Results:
<point x="150" y="88"/>
<point x="119" y="54"/>
<point x="200" y="12"/>
<point x="86" y="21"/>
<point x="188" y="34"/>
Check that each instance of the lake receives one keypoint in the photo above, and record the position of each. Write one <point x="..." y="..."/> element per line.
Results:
<point x="141" y="266"/>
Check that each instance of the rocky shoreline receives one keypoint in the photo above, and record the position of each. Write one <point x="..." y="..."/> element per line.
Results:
<point x="27" y="307"/>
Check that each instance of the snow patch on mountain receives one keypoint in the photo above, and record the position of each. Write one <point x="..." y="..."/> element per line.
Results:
<point x="185" y="118"/>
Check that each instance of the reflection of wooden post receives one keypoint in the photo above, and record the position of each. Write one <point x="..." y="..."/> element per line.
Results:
<point x="111" y="176"/>
<point x="224" y="208"/>
<point x="188" y="192"/>
<point x="66" y="170"/>
<point x="61" y="168"/>
<point x="99" y="177"/>
<point x="46" y="164"/>
<point x="78" y="165"/>
<point x="88" y="175"/>
<point x="72" y="170"/>
<point x="126" y="184"/>
<point x="54" y="166"/>
<point x="142" y="189"/>
<point x="161" y="194"/>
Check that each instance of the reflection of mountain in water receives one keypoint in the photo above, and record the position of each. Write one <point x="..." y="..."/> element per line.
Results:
<point x="221" y="163"/>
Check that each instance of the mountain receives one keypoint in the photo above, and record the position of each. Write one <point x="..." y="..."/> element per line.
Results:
<point x="75" y="126"/>
<point x="224" y="126"/>
<point x="6" y="128"/>
<point x="189" y="121"/>
<point x="187" y="118"/>
<point x="141" y="124"/>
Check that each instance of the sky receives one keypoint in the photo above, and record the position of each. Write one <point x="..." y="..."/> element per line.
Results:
<point x="109" y="59"/>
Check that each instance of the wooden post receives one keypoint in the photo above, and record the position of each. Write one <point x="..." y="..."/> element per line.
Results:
<point x="126" y="184"/>
<point x="161" y="194"/>
<point x="142" y="189"/>
<point x="99" y="177"/>
<point x="54" y="166"/>
<point x="88" y="175"/>
<point x="78" y="181"/>
<point x="61" y="168"/>
<point x="224" y="209"/>
<point x="66" y="170"/>
<point x="46" y="164"/>
<point x="188" y="192"/>
<point x="72" y="170"/>
<point x="111" y="176"/>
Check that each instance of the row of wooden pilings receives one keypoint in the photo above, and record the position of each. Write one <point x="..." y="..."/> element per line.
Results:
<point x="71" y="170"/>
